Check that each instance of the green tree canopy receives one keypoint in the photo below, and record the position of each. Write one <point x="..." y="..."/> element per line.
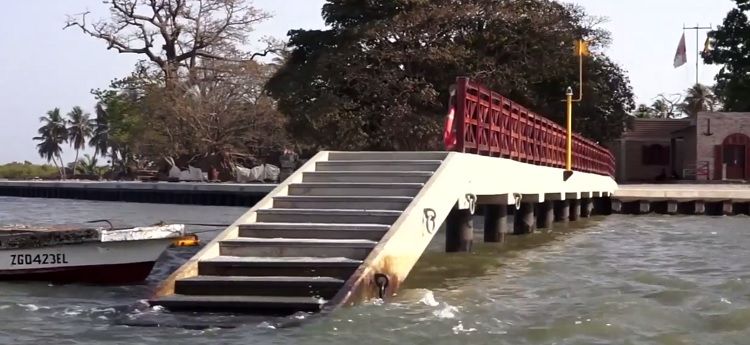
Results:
<point x="731" y="48"/>
<point x="378" y="79"/>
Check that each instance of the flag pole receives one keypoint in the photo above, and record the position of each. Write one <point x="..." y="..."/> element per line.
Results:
<point x="697" y="29"/>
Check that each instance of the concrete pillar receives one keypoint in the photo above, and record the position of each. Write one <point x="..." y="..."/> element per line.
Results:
<point x="459" y="231"/>
<point x="616" y="206"/>
<point x="562" y="211"/>
<point x="644" y="207"/>
<point x="586" y="208"/>
<point x="495" y="223"/>
<point x="575" y="210"/>
<point x="524" y="221"/>
<point x="672" y="207"/>
<point x="699" y="207"/>
<point x="727" y="208"/>
<point x="545" y="215"/>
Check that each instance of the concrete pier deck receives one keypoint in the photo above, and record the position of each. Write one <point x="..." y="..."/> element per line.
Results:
<point x="683" y="192"/>
<point x="224" y="194"/>
<point x="711" y="199"/>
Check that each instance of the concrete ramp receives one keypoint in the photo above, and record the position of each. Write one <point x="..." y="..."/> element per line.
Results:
<point x="349" y="226"/>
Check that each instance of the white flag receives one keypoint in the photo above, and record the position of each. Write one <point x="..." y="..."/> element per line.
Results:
<point x="681" y="57"/>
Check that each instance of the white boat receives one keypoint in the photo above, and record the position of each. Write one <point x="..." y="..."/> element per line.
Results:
<point x="75" y="255"/>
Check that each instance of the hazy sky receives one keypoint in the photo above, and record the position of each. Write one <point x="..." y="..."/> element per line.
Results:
<point x="42" y="66"/>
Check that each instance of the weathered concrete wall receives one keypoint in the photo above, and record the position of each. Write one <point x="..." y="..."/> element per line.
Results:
<point x="634" y="168"/>
<point x="722" y="126"/>
<point x="688" y="152"/>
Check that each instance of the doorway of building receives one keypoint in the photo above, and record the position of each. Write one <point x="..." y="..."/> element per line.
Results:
<point x="734" y="158"/>
<point x="734" y="151"/>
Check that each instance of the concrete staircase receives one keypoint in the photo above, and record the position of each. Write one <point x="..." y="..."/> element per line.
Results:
<point x="297" y="254"/>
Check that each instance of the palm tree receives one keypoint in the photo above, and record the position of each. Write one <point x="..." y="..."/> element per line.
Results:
<point x="88" y="165"/>
<point x="79" y="130"/>
<point x="52" y="135"/>
<point x="48" y="149"/>
<point x="699" y="98"/>
<point x="100" y="136"/>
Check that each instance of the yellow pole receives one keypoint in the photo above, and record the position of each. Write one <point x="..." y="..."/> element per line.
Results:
<point x="569" y="152"/>
<point x="580" y="78"/>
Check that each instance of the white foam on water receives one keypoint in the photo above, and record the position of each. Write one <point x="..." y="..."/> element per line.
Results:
<point x="447" y="312"/>
<point x="109" y="310"/>
<point x="31" y="307"/>
<point x="457" y="329"/>
<point x="72" y="311"/>
<point x="724" y="300"/>
<point x="266" y="325"/>
<point x="157" y="308"/>
<point x="300" y="316"/>
<point x="428" y="299"/>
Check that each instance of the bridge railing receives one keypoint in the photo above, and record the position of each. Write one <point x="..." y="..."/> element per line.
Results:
<point x="489" y="124"/>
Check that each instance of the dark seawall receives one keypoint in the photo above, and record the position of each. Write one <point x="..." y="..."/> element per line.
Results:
<point x="218" y="194"/>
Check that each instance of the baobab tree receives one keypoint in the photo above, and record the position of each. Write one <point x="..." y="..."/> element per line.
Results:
<point x="176" y="35"/>
<point x="197" y="93"/>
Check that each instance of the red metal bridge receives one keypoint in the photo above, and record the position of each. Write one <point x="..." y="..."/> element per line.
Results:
<point x="488" y="124"/>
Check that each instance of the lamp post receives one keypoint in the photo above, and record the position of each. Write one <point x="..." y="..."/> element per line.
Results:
<point x="581" y="49"/>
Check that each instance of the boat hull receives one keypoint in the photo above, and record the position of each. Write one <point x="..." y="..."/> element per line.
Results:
<point x="94" y="262"/>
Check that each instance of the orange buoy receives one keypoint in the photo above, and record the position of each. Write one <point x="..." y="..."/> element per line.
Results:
<point x="190" y="240"/>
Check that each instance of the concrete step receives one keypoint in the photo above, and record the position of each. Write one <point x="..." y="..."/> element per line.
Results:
<point x="270" y="305"/>
<point x="378" y="165"/>
<point x="341" y="268"/>
<point x="315" y="248"/>
<point x="386" y="155"/>
<point x="355" y="189"/>
<point x="397" y="203"/>
<point x="324" y="287"/>
<point x="367" y="176"/>
<point x="372" y="232"/>
<point x="289" y="215"/>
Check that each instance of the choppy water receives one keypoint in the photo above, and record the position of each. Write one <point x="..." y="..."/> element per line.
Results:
<point x="615" y="280"/>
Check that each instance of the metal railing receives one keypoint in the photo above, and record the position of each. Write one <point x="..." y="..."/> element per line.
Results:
<point x="486" y="123"/>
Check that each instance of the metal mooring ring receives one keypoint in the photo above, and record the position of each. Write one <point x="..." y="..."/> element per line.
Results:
<point x="381" y="281"/>
<point x="472" y="200"/>
<point x="429" y="220"/>
<point x="518" y="198"/>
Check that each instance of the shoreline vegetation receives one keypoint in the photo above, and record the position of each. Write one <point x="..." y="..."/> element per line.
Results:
<point x="28" y="171"/>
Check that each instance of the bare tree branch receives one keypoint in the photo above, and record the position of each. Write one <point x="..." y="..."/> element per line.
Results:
<point x="177" y="34"/>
